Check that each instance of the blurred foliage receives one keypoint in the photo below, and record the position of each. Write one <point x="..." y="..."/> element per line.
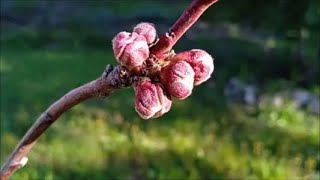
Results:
<point x="202" y="137"/>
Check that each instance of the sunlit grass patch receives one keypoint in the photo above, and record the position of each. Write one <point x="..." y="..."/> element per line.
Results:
<point x="82" y="142"/>
<point x="200" y="138"/>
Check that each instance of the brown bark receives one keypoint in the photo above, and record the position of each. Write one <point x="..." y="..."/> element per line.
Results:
<point x="186" y="20"/>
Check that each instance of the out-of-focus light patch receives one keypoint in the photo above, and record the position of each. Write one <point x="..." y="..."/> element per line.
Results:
<point x="233" y="30"/>
<point x="22" y="116"/>
<point x="270" y="43"/>
<point x="183" y="142"/>
<point x="305" y="33"/>
<point x="278" y="101"/>
<point x="8" y="140"/>
<point x="200" y="153"/>
<point x="153" y="144"/>
<point x="147" y="142"/>
<point x="4" y="66"/>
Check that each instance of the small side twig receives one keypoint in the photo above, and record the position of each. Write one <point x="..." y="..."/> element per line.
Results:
<point x="112" y="79"/>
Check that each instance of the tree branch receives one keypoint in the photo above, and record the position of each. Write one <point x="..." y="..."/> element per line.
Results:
<point x="186" y="20"/>
<point x="103" y="86"/>
<point x="112" y="79"/>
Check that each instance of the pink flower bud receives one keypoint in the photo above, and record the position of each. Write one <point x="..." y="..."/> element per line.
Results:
<point x="166" y="105"/>
<point x="119" y="42"/>
<point x="200" y="61"/>
<point x="147" y="30"/>
<point x="178" y="79"/>
<point x="151" y="102"/>
<point x="130" y="49"/>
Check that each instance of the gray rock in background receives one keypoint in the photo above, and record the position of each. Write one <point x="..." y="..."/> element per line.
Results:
<point x="307" y="100"/>
<point x="237" y="91"/>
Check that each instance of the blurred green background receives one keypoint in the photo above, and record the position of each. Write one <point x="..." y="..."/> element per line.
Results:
<point x="256" y="118"/>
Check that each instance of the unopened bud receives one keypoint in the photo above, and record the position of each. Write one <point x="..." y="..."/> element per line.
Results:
<point x="178" y="78"/>
<point x="166" y="105"/>
<point x="150" y="102"/>
<point x="200" y="61"/>
<point x="130" y="49"/>
<point x="147" y="30"/>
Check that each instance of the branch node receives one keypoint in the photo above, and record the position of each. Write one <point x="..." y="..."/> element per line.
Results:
<point x="171" y="34"/>
<point x="47" y="118"/>
<point x="108" y="70"/>
<point x="20" y="164"/>
<point x="125" y="78"/>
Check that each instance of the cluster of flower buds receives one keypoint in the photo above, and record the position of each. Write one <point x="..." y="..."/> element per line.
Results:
<point x="177" y="75"/>
<point x="185" y="70"/>
<point x="132" y="49"/>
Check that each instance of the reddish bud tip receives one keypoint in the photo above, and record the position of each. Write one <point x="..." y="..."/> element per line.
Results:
<point x="150" y="102"/>
<point x="147" y="30"/>
<point x="178" y="79"/>
<point x="130" y="49"/>
<point x="200" y="61"/>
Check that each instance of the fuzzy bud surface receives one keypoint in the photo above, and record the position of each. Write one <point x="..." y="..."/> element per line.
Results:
<point x="200" y="61"/>
<point x="150" y="102"/>
<point x="178" y="78"/>
<point x="130" y="49"/>
<point x="147" y="30"/>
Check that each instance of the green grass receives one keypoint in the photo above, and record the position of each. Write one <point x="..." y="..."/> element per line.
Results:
<point x="200" y="138"/>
